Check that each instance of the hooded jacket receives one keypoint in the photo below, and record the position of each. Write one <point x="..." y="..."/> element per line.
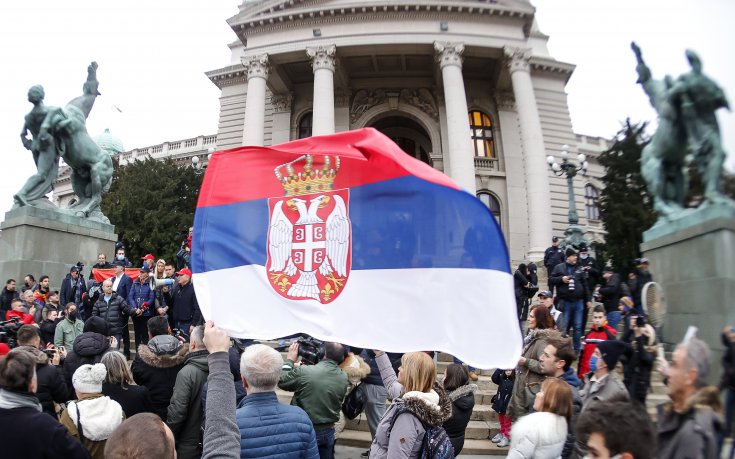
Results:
<point x="29" y="433"/>
<point x="463" y="402"/>
<point x="529" y="376"/>
<point x="604" y="333"/>
<point x="88" y="348"/>
<point x="156" y="365"/>
<point x="98" y="415"/>
<point x="505" y="390"/>
<point x="539" y="435"/>
<point x="51" y="385"/>
<point x="113" y="313"/>
<point x="185" y="414"/>
<point x="692" y="432"/>
<point x="405" y="438"/>
<point x="67" y="331"/>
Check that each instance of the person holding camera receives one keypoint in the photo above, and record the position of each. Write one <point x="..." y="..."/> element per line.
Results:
<point x="72" y="288"/>
<point x="50" y="381"/>
<point x="319" y="390"/>
<point x="27" y="431"/>
<point x="638" y="363"/>
<point x="570" y="281"/>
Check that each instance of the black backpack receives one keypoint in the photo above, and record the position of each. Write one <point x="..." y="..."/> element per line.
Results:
<point x="354" y="403"/>
<point x="436" y="443"/>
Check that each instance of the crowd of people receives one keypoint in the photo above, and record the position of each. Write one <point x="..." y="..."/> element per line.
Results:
<point x="192" y="392"/>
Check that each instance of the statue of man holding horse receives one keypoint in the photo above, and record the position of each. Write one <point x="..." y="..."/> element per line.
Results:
<point x="62" y="132"/>
<point x="687" y="128"/>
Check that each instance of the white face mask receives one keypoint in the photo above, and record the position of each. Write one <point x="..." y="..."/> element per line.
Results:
<point x="583" y="257"/>
<point x="121" y="257"/>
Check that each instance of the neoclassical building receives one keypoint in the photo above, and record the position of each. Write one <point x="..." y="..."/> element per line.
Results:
<point x="468" y="87"/>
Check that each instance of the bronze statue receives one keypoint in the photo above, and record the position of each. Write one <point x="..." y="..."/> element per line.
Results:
<point x="687" y="129"/>
<point x="62" y="132"/>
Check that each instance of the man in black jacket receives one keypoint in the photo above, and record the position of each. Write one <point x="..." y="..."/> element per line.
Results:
<point x="184" y="303"/>
<point x="113" y="309"/>
<point x="610" y="292"/>
<point x="72" y="288"/>
<point x="7" y="295"/>
<point x="51" y="386"/>
<point x="157" y="363"/>
<point x="552" y="257"/>
<point x="573" y="294"/>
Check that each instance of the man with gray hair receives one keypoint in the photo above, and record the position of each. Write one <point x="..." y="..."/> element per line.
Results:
<point x="689" y="424"/>
<point x="185" y="410"/>
<point x="268" y="427"/>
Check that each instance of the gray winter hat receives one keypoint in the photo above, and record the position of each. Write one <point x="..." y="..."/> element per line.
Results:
<point x="88" y="379"/>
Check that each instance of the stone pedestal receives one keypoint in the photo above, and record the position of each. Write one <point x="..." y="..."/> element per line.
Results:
<point x="41" y="241"/>
<point x="692" y="259"/>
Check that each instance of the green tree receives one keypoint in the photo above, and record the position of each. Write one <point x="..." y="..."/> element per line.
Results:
<point x="150" y="203"/>
<point x="625" y="206"/>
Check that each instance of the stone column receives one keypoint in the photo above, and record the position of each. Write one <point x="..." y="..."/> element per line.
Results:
<point x="253" y="130"/>
<point x="532" y="142"/>
<point x="281" y="131"/>
<point x="461" y="158"/>
<point x="322" y="61"/>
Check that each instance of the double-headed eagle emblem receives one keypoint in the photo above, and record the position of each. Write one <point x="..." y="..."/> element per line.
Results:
<point x="309" y="236"/>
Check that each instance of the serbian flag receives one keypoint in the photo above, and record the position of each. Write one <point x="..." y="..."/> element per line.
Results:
<point x="100" y="275"/>
<point x="347" y="238"/>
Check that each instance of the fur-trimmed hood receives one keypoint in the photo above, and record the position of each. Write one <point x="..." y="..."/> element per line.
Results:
<point x="422" y="405"/>
<point x="355" y="368"/>
<point x="153" y="355"/>
<point x="462" y="391"/>
<point x="41" y="357"/>
<point x="705" y="399"/>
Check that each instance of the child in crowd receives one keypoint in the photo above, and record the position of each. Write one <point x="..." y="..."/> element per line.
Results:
<point x="600" y="331"/>
<point x="505" y="380"/>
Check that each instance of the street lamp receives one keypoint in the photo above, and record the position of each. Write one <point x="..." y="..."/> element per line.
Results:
<point x="573" y="235"/>
<point x="196" y="162"/>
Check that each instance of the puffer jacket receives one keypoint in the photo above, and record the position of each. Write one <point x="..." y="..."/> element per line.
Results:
<point x="156" y="365"/>
<point x="141" y="296"/>
<point x="405" y="438"/>
<point x="463" y="402"/>
<point x="185" y="412"/>
<point x="114" y="313"/>
<point x="88" y="348"/>
<point x="269" y="428"/>
<point x="692" y="432"/>
<point x="51" y="386"/>
<point x="539" y="435"/>
<point x="529" y="376"/>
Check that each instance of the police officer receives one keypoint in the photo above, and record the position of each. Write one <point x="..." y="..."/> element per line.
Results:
<point x="552" y="257"/>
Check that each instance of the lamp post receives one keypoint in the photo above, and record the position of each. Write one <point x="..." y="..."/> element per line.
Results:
<point x="196" y="162"/>
<point x="573" y="236"/>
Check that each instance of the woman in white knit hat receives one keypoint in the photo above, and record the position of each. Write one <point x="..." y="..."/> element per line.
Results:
<point x="93" y="417"/>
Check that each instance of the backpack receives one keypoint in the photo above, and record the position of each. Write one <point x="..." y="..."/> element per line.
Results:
<point x="354" y="403"/>
<point x="436" y="443"/>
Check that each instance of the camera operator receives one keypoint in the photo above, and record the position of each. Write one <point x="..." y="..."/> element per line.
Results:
<point x="73" y="287"/>
<point x="319" y="390"/>
<point x="51" y="386"/>
<point x="26" y="431"/>
<point x="573" y="293"/>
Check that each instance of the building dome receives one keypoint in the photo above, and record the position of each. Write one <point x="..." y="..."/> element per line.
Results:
<point x="109" y="143"/>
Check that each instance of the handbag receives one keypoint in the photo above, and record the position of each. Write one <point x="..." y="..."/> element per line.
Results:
<point x="354" y="403"/>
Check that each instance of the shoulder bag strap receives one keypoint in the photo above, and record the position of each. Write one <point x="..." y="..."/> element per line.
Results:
<point x="79" y="424"/>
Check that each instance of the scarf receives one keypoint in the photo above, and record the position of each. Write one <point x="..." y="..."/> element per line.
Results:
<point x="528" y="338"/>
<point x="10" y="400"/>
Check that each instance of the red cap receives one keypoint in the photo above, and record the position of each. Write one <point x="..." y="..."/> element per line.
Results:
<point x="4" y="349"/>
<point x="148" y="257"/>
<point x="186" y="271"/>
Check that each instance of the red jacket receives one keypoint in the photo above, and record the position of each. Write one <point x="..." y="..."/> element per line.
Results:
<point x="27" y="319"/>
<point x="603" y="333"/>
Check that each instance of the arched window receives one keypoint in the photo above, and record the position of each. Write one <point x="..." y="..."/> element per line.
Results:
<point x="591" y="201"/>
<point x="481" y="128"/>
<point x="305" y="125"/>
<point x="491" y="202"/>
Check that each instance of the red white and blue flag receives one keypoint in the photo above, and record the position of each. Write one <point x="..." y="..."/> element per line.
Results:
<point x="347" y="238"/>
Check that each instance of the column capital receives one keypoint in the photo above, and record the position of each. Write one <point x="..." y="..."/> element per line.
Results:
<point x="322" y="57"/>
<point x="281" y="103"/>
<point x="448" y="53"/>
<point x="257" y="66"/>
<point x="516" y="59"/>
<point x="505" y="100"/>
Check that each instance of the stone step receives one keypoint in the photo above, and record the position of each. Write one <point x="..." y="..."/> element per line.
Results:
<point x="477" y="430"/>
<point x="472" y="447"/>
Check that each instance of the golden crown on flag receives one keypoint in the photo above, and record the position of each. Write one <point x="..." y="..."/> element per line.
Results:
<point x="308" y="179"/>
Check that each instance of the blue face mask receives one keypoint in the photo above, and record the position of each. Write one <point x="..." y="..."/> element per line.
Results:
<point x="593" y="363"/>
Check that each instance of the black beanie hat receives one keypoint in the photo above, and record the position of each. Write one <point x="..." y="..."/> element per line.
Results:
<point x="570" y="251"/>
<point x="611" y="351"/>
<point x="96" y="324"/>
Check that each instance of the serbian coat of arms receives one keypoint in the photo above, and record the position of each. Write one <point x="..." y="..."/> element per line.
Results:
<point x="309" y="233"/>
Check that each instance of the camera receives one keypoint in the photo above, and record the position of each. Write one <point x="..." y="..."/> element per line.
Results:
<point x="311" y="350"/>
<point x="177" y="332"/>
<point x="9" y="331"/>
<point x="80" y="265"/>
<point x="49" y="352"/>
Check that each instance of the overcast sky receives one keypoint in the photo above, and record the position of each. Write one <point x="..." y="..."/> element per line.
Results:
<point x="152" y="57"/>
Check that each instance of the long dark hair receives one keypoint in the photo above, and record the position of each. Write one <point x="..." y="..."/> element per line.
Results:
<point x="457" y="376"/>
